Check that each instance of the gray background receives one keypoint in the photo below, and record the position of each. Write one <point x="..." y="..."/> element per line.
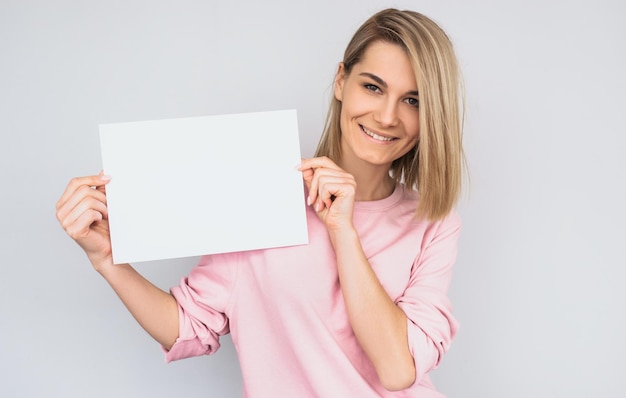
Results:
<point x="539" y="284"/>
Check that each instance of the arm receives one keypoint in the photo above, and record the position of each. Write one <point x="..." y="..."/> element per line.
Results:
<point x="367" y="303"/>
<point x="82" y="212"/>
<point x="332" y="192"/>
<point x="154" y="309"/>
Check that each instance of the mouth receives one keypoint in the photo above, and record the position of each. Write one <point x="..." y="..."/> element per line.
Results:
<point x="376" y="136"/>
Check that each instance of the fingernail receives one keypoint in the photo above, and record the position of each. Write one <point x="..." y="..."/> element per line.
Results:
<point x="298" y="166"/>
<point x="105" y="177"/>
<point x="308" y="200"/>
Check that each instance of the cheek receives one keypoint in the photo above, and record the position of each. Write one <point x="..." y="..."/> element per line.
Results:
<point x="348" y="114"/>
<point x="412" y="125"/>
<point x="355" y="102"/>
<point x="417" y="132"/>
<point x="409" y="147"/>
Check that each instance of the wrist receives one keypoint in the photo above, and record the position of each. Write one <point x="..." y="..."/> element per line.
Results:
<point x="102" y="265"/>
<point x="342" y="235"/>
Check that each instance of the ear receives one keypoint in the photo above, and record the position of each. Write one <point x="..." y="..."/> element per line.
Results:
<point x="340" y="79"/>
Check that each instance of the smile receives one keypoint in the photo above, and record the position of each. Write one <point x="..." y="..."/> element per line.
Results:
<point x="376" y="136"/>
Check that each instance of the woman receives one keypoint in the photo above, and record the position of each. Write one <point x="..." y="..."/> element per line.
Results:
<point x="362" y="310"/>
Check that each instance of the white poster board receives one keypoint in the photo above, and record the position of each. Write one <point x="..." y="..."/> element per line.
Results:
<point x="202" y="185"/>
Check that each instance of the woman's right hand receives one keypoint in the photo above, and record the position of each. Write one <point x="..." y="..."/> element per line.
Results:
<point x="83" y="214"/>
<point x="82" y="211"/>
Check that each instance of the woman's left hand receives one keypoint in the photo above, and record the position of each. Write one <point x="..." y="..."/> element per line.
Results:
<point x="331" y="192"/>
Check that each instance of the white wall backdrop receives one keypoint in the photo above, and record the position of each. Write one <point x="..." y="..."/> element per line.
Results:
<point x="540" y="281"/>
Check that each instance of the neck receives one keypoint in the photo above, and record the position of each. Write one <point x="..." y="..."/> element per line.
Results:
<point x="372" y="181"/>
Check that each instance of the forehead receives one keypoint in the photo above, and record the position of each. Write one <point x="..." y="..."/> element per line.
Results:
<point x="390" y="62"/>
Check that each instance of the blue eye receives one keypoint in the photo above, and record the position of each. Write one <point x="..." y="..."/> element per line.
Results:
<point x="413" y="102"/>
<point x="371" y="87"/>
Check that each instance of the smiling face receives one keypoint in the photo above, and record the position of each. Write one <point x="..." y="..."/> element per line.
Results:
<point x="379" y="107"/>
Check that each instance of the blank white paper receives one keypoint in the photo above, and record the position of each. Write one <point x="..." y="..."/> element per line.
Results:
<point x="203" y="185"/>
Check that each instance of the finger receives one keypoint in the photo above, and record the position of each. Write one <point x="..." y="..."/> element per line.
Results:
<point x="310" y="169"/>
<point x="86" y="197"/>
<point x="307" y="176"/>
<point x="102" y="188"/>
<point x="314" y="181"/>
<point x="106" y="178"/>
<point x="332" y="187"/>
<point x="309" y="166"/>
<point x="316" y="163"/>
<point x="81" y="194"/>
<point x="320" y="182"/>
<point x="81" y="227"/>
<point x="68" y="216"/>
<point x="77" y="182"/>
<point x="315" y="169"/>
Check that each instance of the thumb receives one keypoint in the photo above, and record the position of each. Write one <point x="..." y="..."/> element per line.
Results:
<point x="307" y="175"/>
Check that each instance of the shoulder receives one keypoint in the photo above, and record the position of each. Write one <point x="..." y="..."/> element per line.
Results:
<point x="410" y="199"/>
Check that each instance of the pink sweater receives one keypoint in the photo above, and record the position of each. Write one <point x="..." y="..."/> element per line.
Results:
<point x="286" y="314"/>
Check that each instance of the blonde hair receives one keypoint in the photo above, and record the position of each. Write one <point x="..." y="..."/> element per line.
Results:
<point x="434" y="166"/>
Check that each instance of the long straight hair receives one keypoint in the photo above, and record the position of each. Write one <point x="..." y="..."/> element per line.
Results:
<point x="434" y="166"/>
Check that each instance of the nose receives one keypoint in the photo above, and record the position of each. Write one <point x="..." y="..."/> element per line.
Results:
<point x="387" y="114"/>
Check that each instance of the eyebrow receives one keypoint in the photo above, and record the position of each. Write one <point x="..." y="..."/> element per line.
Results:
<point x="383" y="83"/>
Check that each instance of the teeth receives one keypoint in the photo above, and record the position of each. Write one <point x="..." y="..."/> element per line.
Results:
<point x="376" y="136"/>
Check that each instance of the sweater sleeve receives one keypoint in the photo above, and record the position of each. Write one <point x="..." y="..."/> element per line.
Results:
<point x="431" y="325"/>
<point x="203" y="298"/>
